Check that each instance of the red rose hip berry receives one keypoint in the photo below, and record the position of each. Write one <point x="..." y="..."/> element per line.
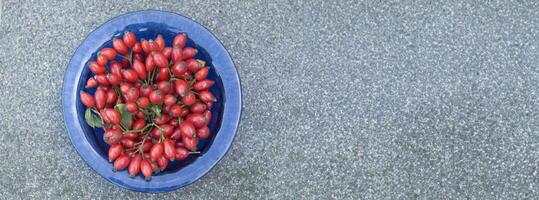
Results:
<point x="189" y="99"/>
<point x="179" y="40"/>
<point x="119" y="46"/>
<point x="203" y="85"/>
<point x="156" y="151"/>
<point x="108" y="53"/>
<point x="146" y="169"/>
<point x="100" y="97"/>
<point x="129" y="39"/>
<point x="115" y="151"/>
<point x="156" y="97"/>
<point x="122" y="162"/>
<point x="87" y="99"/>
<point x="134" y="165"/>
<point x="112" y="136"/>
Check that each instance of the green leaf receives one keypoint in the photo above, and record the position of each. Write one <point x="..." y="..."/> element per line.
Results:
<point x="126" y="115"/>
<point x="89" y="118"/>
<point x="92" y="120"/>
<point x="146" y="112"/>
<point x="157" y="110"/>
<point x="97" y="122"/>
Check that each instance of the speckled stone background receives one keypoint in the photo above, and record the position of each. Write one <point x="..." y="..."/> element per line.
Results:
<point x="342" y="100"/>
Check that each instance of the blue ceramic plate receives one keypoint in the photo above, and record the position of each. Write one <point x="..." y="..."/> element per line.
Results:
<point x="225" y="112"/>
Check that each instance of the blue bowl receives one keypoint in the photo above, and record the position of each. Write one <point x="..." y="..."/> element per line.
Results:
<point x="225" y="112"/>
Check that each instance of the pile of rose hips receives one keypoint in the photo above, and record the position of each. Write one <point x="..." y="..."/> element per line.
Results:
<point x="151" y="100"/>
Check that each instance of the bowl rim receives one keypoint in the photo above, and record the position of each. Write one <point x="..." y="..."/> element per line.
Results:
<point x="231" y="108"/>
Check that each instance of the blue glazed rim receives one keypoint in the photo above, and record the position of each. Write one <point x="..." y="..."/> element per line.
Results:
<point x="224" y="67"/>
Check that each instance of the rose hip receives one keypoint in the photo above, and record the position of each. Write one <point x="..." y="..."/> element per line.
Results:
<point x="159" y="59"/>
<point x="203" y="85"/>
<point x="139" y="67"/>
<point x="101" y="60"/>
<point x="181" y="153"/>
<point x="121" y="162"/>
<point x="163" y="74"/>
<point x="177" y="134"/>
<point x="162" y="162"/>
<point x="124" y="87"/>
<point x="102" y="80"/>
<point x="173" y="122"/>
<point x="145" y="90"/>
<point x="156" y="151"/>
<point x="145" y="46"/>
<point x="161" y="120"/>
<point x="127" y="143"/>
<point x="134" y="165"/>
<point x="179" y="40"/>
<point x="209" y="104"/>
<point x="97" y="68"/>
<point x="119" y="46"/>
<point x="146" y="169"/>
<point x="137" y="48"/>
<point x="116" y="68"/>
<point x="115" y="151"/>
<point x="139" y="124"/>
<point x="104" y="117"/>
<point x="149" y="64"/>
<point x="176" y="55"/>
<point x="147" y="146"/>
<point x="87" y="99"/>
<point x="108" y="53"/>
<point x="187" y="129"/>
<point x="207" y="115"/>
<point x="188" y="52"/>
<point x="190" y="143"/>
<point x="167" y="52"/>
<point x="130" y="75"/>
<point x="129" y="39"/>
<point x="131" y="95"/>
<point x="203" y="133"/>
<point x="185" y="112"/>
<point x="91" y="82"/>
<point x="114" y="79"/>
<point x="131" y="136"/>
<point x="112" y="136"/>
<point x="143" y="102"/>
<point x="187" y="76"/>
<point x="111" y="96"/>
<point x="113" y="115"/>
<point x="131" y="107"/>
<point x="170" y="99"/>
<point x="189" y="98"/>
<point x="197" y="119"/>
<point x="164" y="86"/>
<point x="198" y="107"/>
<point x="181" y="87"/>
<point x="169" y="149"/>
<point x="206" y="96"/>
<point x="124" y="62"/>
<point x="156" y="97"/>
<point x="153" y="45"/>
<point x="175" y="110"/>
<point x="167" y="130"/>
<point x="201" y="74"/>
<point x="194" y="65"/>
<point x="100" y="98"/>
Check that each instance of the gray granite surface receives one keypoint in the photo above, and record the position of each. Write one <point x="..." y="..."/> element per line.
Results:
<point x="342" y="99"/>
